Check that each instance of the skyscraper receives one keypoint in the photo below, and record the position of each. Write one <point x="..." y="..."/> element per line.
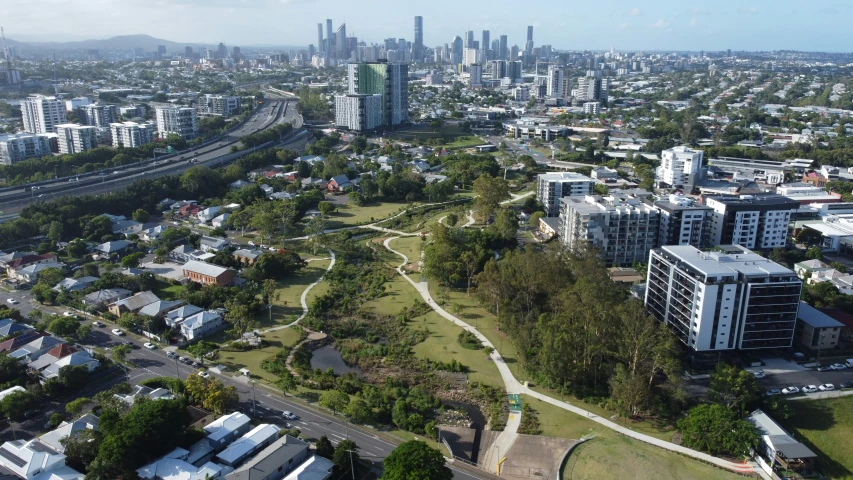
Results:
<point x="418" y="46"/>
<point x="320" y="42"/>
<point x="456" y="54"/>
<point x="530" y="33"/>
<point x="503" y="54"/>
<point x="341" y="51"/>
<point x="556" y="78"/>
<point x="391" y="81"/>
<point x="221" y="51"/>
<point x="469" y="40"/>
<point x="528" y="47"/>
<point x="330" y="37"/>
<point x="42" y="114"/>
<point x="485" y="43"/>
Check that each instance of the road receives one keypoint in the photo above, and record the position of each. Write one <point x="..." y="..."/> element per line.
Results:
<point x="273" y="112"/>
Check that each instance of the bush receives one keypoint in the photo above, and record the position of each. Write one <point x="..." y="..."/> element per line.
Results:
<point x="469" y="340"/>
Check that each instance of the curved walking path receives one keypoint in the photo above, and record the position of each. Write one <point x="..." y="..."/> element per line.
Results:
<point x="304" y="298"/>
<point x="507" y="437"/>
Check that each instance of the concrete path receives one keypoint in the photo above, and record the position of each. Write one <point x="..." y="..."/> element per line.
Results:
<point x="304" y="298"/>
<point x="510" y="433"/>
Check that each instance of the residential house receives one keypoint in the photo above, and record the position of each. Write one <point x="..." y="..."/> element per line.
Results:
<point x="24" y="338"/>
<point x="29" y="274"/>
<point x="153" y="234"/>
<point x="268" y="190"/>
<point x="213" y="244"/>
<point x="178" y="205"/>
<point x="19" y="261"/>
<point x="315" y="468"/>
<point x="208" y="214"/>
<point x="189" y="210"/>
<point x="11" y="327"/>
<point x="7" y="258"/>
<point x="186" y="253"/>
<point x="815" y="179"/>
<point x="314" y="181"/>
<point x="227" y="428"/>
<point x="126" y="227"/>
<point x="285" y="455"/>
<point x="282" y="196"/>
<point x="133" y="304"/>
<point x="253" y="441"/>
<point x="75" y="284"/>
<point x="206" y="273"/>
<point x="9" y="391"/>
<point x="173" y="466"/>
<point x="141" y="391"/>
<point x="238" y="184"/>
<point x="159" y="308"/>
<point x="842" y="281"/>
<point x="603" y="173"/>
<point x="29" y="459"/>
<point x="339" y="183"/>
<point x="220" y="221"/>
<point x="810" y="267"/>
<point x="115" y="247"/>
<point x="178" y="315"/>
<point x="247" y="256"/>
<point x="105" y="297"/>
<point x="54" y="354"/>
<point x="201" y="324"/>
<point x="34" y="349"/>
<point x="75" y="359"/>
<point x="53" y="438"/>
<point x="310" y="159"/>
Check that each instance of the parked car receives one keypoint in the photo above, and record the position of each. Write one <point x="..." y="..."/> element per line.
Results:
<point x="790" y="390"/>
<point x="826" y="387"/>
<point x="118" y="332"/>
<point x="824" y="368"/>
<point x="128" y="343"/>
<point x="195" y="364"/>
<point x="98" y="324"/>
<point x="12" y="301"/>
<point x="773" y="391"/>
<point x="849" y="362"/>
<point x="68" y="314"/>
<point x="288" y="415"/>
<point x="838" y="366"/>
<point x="847" y="384"/>
<point x="203" y="374"/>
<point x="170" y="354"/>
<point x="149" y="346"/>
<point x="809" y="389"/>
<point x="758" y="373"/>
<point x="182" y="359"/>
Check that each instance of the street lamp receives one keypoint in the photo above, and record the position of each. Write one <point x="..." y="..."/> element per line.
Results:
<point x="254" y="410"/>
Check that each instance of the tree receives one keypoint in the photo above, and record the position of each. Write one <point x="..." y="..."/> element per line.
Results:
<point x="63" y="326"/>
<point x="75" y="407"/>
<point x="358" y="411"/>
<point x="132" y="260"/>
<point x="326" y="208"/>
<point x="490" y="192"/>
<point x="325" y="448"/>
<point x="211" y="393"/>
<point x="120" y="352"/>
<point x="83" y="331"/>
<point x="415" y="460"/>
<point x="733" y="387"/>
<point x="345" y="456"/>
<point x="399" y="415"/>
<point x="534" y="219"/>
<point x="315" y="228"/>
<point x="55" y="419"/>
<point x="11" y="370"/>
<point x="76" y="248"/>
<point x="815" y="253"/>
<point x="16" y="404"/>
<point x="452" y="219"/>
<point x="717" y="430"/>
<point x="286" y="382"/>
<point x="54" y="232"/>
<point x="356" y="198"/>
<point x="81" y="448"/>
<point x="201" y="349"/>
<point x="506" y="224"/>
<point x="334" y="400"/>
<point x="141" y="215"/>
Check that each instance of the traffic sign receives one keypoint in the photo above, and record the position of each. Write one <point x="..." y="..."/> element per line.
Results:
<point x="514" y="402"/>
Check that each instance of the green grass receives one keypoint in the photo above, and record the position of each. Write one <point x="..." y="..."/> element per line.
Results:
<point x="825" y="427"/>
<point x="252" y="359"/>
<point x="411" y="247"/>
<point x="287" y="306"/>
<point x="349" y="215"/>
<point x="166" y="291"/>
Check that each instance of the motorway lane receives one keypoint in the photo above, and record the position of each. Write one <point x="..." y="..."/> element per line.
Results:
<point x="154" y="363"/>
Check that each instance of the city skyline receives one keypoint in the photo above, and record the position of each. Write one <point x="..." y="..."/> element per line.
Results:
<point x="667" y="25"/>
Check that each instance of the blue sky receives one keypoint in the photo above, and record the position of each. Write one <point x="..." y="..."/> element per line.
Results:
<point x="625" y="25"/>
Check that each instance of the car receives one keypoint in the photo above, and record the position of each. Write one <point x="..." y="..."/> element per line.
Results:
<point x="183" y="157"/>
<point x="838" y="366"/>
<point x="288" y="415"/>
<point x="824" y="368"/>
<point x="847" y="384"/>
<point x="98" y="324"/>
<point x="273" y="249"/>
<point x="170" y="354"/>
<point x="759" y="373"/>
<point x="826" y="387"/>
<point x="773" y="391"/>
<point x="118" y="332"/>
<point x="251" y="243"/>
<point x="195" y="364"/>
<point x="128" y="343"/>
<point x="203" y="374"/>
<point x="790" y="390"/>
<point x="809" y="389"/>
<point x="68" y="314"/>
<point x="263" y="246"/>
<point x="149" y="345"/>
<point x="12" y="301"/>
<point x="115" y="172"/>
<point x="182" y="359"/>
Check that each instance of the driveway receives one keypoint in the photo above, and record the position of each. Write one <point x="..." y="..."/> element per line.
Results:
<point x="170" y="270"/>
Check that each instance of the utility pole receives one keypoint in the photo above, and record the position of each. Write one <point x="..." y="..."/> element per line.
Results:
<point x="351" y="464"/>
<point x="254" y="410"/>
<point x="177" y="368"/>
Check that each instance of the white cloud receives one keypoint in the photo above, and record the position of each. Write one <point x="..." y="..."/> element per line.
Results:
<point x="692" y="22"/>
<point x="623" y="25"/>
<point x="661" y="24"/>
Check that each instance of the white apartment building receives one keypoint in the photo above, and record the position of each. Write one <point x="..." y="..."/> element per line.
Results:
<point x="217" y="105"/>
<point x="622" y="228"/>
<point x="42" y="114"/>
<point x="735" y="299"/>
<point x="358" y="113"/>
<point x="592" y="108"/>
<point x="98" y="115"/>
<point x="683" y="221"/>
<point x="556" y="81"/>
<point x="181" y="121"/>
<point x="73" y="138"/>
<point x="476" y="74"/>
<point x="753" y="221"/>
<point x="680" y="168"/>
<point x="551" y="187"/>
<point x="521" y="94"/>
<point x="132" y="134"/>
<point x="76" y="102"/>
<point x="15" y="147"/>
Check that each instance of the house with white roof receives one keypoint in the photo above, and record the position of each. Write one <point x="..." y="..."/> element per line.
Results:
<point x="778" y="447"/>
<point x="227" y="428"/>
<point x="810" y="267"/>
<point x="54" y="438"/>
<point x="186" y="253"/>
<point x="178" y="315"/>
<point x="29" y="459"/>
<point x="201" y="324"/>
<point x="253" y="441"/>
<point x="315" y="468"/>
<point x="285" y="455"/>
<point x="33" y="350"/>
<point x="9" y="391"/>
<point x="153" y="234"/>
<point x="141" y="391"/>
<point x="220" y="221"/>
<point x="208" y="214"/>
<point x="75" y="359"/>
<point x="159" y="308"/>
<point x="29" y="274"/>
<point x="75" y="284"/>
<point x="213" y="244"/>
<point x="109" y="248"/>
<point x="842" y="281"/>
<point x="174" y="466"/>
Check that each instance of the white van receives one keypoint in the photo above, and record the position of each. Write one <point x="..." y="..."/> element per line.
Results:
<point x="849" y="363"/>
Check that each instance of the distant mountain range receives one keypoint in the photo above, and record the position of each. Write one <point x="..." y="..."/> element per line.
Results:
<point x="122" y="42"/>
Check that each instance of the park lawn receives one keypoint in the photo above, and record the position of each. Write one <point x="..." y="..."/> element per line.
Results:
<point x="287" y="307"/>
<point x="411" y="247"/>
<point x="166" y="291"/>
<point x="825" y="427"/>
<point x="251" y="359"/>
<point x="349" y="215"/>
<point x="399" y="293"/>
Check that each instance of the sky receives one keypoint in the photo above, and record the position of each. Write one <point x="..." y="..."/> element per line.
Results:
<point x="819" y="25"/>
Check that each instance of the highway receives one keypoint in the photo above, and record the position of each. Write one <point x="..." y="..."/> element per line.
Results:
<point x="273" y="112"/>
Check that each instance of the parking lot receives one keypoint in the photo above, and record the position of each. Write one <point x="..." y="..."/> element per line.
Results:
<point x="170" y="270"/>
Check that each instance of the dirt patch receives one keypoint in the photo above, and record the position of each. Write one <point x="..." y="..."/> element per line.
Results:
<point x="413" y="267"/>
<point x="380" y="240"/>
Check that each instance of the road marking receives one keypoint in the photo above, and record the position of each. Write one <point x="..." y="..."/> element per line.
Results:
<point x="338" y="436"/>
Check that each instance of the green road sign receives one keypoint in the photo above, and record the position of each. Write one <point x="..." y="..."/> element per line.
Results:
<point x="514" y="402"/>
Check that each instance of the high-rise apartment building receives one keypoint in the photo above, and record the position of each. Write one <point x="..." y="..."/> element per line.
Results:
<point x="593" y="87"/>
<point x="132" y="134"/>
<point x="621" y="228"/>
<point x="15" y="147"/>
<point x="456" y="52"/>
<point x="341" y="47"/>
<point x="551" y="187"/>
<point x="390" y="80"/>
<point x="723" y="300"/>
<point x="528" y="46"/>
<point x="484" y="43"/>
<point x="680" y="167"/>
<point x="476" y="72"/>
<point x="556" y="81"/>
<point x="469" y="39"/>
<point x="497" y="68"/>
<point x="98" y="115"/>
<point x="683" y="221"/>
<point x="221" y="105"/>
<point x="503" y="54"/>
<point x="358" y="112"/>
<point x="514" y="70"/>
<point x="181" y="121"/>
<point x="320" y="43"/>
<point x="418" y="45"/>
<point x="42" y="114"/>
<point x="754" y="221"/>
<point x="73" y="138"/>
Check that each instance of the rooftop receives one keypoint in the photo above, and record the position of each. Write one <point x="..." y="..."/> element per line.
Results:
<point x="248" y="443"/>
<point x="222" y="426"/>
<point x="204" y="268"/>
<point x="760" y="199"/>
<point x="564" y="177"/>
<point x="738" y="260"/>
<point x="815" y="318"/>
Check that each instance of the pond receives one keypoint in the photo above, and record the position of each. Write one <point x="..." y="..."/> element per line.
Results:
<point x="329" y="357"/>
